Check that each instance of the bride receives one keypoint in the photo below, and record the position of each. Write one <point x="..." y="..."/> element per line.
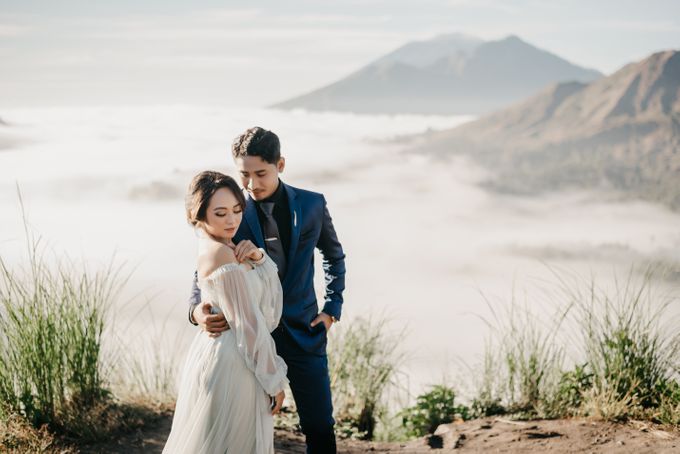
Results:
<point x="230" y="385"/>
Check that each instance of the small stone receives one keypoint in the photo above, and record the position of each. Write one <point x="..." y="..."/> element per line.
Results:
<point x="442" y="429"/>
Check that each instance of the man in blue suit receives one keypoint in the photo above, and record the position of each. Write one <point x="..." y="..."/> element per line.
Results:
<point x="289" y="223"/>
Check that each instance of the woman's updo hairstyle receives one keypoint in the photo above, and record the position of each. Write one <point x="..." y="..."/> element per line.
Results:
<point x="203" y="186"/>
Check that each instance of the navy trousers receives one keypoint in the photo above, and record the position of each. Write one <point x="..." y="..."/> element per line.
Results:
<point x="311" y="387"/>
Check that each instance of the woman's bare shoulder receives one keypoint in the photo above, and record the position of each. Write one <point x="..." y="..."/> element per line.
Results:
<point x="214" y="256"/>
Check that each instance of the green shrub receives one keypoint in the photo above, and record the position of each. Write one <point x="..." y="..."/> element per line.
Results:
<point x="571" y="389"/>
<point x="625" y="340"/>
<point x="631" y="345"/>
<point x="668" y="411"/>
<point x="432" y="409"/>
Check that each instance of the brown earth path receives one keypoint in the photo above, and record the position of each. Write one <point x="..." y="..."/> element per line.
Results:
<point x="478" y="436"/>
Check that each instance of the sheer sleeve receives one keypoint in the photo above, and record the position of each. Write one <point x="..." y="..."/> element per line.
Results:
<point x="248" y="324"/>
<point x="271" y="303"/>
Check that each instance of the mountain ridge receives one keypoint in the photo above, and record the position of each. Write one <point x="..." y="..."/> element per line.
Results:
<point x="469" y="77"/>
<point x="620" y="132"/>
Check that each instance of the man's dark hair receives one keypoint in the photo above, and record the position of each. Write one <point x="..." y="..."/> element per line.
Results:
<point x="257" y="141"/>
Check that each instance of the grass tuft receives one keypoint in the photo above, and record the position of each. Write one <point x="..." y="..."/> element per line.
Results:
<point x="364" y="363"/>
<point x="624" y="346"/>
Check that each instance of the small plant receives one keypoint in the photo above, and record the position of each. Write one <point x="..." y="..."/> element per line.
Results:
<point x="631" y="345"/>
<point x="432" y="409"/>
<point x="488" y="400"/>
<point x="627" y="346"/>
<point x="571" y="389"/>
<point x="484" y="405"/>
<point x="522" y="363"/>
<point x="363" y="364"/>
<point x="668" y="411"/>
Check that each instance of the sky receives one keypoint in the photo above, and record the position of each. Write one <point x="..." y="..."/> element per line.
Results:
<point x="250" y="53"/>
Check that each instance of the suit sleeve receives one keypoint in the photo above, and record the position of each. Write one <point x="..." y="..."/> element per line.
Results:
<point x="194" y="298"/>
<point x="333" y="265"/>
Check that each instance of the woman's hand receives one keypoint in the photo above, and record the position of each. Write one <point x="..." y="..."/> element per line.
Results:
<point x="279" y="402"/>
<point x="247" y="250"/>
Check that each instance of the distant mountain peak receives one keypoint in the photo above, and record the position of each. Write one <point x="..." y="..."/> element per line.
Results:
<point x="513" y="39"/>
<point x="448" y="74"/>
<point x="662" y="65"/>
<point x="651" y="86"/>
<point x="423" y="53"/>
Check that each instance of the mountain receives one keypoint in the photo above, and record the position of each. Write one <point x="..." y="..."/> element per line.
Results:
<point x="621" y="132"/>
<point x="451" y="74"/>
<point x="422" y="54"/>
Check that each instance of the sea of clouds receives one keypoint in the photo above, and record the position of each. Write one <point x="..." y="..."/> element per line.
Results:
<point x="425" y="244"/>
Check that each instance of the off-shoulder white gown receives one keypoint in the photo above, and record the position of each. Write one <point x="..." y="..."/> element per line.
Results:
<point x="222" y="402"/>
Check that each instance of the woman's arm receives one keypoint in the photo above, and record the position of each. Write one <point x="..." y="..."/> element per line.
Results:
<point x="246" y="320"/>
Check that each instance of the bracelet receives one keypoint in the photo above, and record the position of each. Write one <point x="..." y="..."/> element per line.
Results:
<point x="261" y="261"/>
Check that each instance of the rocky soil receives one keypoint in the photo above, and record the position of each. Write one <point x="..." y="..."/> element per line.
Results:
<point x="494" y="435"/>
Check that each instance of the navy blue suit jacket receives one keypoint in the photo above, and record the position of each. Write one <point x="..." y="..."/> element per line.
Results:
<point x="311" y="227"/>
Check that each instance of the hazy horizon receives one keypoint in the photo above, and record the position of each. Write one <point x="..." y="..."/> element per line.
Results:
<point x="126" y="53"/>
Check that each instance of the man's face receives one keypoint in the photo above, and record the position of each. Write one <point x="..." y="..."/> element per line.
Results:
<point x="259" y="177"/>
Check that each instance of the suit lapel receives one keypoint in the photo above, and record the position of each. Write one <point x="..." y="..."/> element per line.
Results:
<point x="254" y="222"/>
<point x="295" y="219"/>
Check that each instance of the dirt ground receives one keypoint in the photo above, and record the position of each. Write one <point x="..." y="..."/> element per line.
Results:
<point x="483" y="435"/>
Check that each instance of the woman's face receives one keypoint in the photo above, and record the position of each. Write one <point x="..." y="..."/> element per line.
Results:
<point x="223" y="215"/>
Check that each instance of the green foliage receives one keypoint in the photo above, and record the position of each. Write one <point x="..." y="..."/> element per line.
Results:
<point x="487" y="400"/>
<point x="627" y="339"/>
<point x="432" y="409"/>
<point x="571" y="390"/>
<point x="631" y="344"/>
<point x="363" y="363"/>
<point x="485" y="405"/>
<point x="51" y="324"/>
<point x="522" y="365"/>
<point x="668" y="411"/>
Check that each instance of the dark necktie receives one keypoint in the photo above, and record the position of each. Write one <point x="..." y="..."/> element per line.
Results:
<point x="272" y="239"/>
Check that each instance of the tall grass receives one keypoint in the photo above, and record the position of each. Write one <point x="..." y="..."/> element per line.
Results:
<point x="364" y="362"/>
<point x="52" y="318"/>
<point x="522" y="362"/>
<point x="145" y="365"/>
<point x="630" y="345"/>
<point x="607" y="352"/>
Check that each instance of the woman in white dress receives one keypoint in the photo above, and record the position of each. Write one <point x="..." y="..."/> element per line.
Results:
<point x="230" y="385"/>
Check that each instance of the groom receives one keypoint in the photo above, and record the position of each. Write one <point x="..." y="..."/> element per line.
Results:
<point x="289" y="223"/>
